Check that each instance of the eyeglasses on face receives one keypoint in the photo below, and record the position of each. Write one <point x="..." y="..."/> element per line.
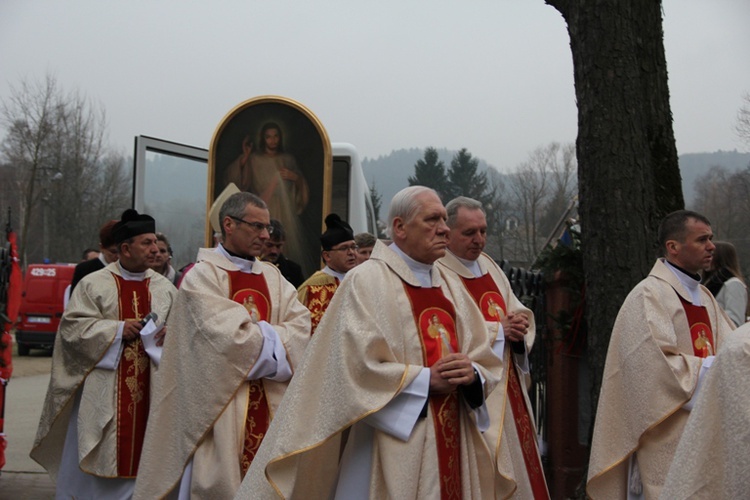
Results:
<point x="348" y="248"/>
<point x="258" y="226"/>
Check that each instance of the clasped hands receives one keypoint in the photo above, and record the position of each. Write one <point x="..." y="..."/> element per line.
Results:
<point x="515" y="326"/>
<point x="451" y="371"/>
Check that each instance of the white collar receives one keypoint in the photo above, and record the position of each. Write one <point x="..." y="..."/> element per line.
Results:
<point x="244" y="265"/>
<point x="130" y="276"/>
<point x="471" y="265"/>
<point x="422" y="271"/>
<point x="691" y="284"/>
<point x="330" y="272"/>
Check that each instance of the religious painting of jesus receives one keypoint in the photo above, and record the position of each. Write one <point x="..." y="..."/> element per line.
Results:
<point x="276" y="148"/>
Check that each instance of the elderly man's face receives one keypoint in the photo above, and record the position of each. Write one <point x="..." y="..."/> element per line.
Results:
<point x="468" y="234"/>
<point x="424" y="238"/>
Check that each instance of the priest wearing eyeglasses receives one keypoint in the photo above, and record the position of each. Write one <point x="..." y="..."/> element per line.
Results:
<point x="340" y="256"/>
<point x="237" y="333"/>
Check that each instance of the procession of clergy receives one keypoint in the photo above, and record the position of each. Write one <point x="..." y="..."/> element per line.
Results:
<point x="403" y="377"/>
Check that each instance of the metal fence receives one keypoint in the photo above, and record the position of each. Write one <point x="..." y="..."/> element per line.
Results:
<point x="529" y="287"/>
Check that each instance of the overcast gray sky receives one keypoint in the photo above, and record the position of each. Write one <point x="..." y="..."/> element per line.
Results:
<point x="494" y="76"/>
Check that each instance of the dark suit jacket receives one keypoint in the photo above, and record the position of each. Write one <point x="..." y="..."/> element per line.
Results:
<point x="83" y="269"/>
<point x="290" y="270"/>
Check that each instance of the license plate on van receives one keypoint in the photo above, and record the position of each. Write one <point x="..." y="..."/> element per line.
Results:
<point x="39" y="319"/>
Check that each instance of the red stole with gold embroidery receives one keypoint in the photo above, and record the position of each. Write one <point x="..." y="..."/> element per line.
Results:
<point x="251" y="290"/>
<point x="487" y="295"/>
<point x="701" y="335"/>
<point x="133" y="378"/>
<point x="318" y="298"/>
<point x="435" y="318"/>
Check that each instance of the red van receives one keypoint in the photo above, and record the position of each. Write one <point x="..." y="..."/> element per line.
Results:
<point x="42" y="305"/>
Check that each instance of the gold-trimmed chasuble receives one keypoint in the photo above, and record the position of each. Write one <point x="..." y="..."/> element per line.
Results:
<point x="133" y="378"/>
<point x="487" y="296"/>
<point x="251" y="290"/>
<point x="435" y="318"/>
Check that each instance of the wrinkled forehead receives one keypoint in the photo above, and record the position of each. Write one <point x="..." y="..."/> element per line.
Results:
<point x="429" y="203"/>
<point x="147" y="238"/>
<point x="470" y="217"/>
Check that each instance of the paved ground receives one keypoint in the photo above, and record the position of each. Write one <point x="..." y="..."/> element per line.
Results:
<point x="26" y="486"/>
<point x="22" y="478"/>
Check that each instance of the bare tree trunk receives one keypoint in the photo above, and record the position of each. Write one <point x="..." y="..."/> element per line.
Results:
<point x="627" y="159"/>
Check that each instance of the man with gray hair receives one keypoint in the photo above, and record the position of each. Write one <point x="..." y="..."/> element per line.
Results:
<point x="236" y="335"/>
<point x="398" y="363"/>
<point x="510" y="326"/>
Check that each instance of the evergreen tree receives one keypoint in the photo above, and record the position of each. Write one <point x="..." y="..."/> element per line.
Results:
<point x="464" y="180"/>
<point x="430" y="172"/>
<point x="377" y="204"/>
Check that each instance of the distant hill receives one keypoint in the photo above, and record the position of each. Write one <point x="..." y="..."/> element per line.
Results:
<point x="693" y="165"/>
<point x="390" y="172"/>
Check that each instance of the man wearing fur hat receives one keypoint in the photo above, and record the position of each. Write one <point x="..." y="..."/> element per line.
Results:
<point x="340" y="255"/>
<point x="94" y="417"/>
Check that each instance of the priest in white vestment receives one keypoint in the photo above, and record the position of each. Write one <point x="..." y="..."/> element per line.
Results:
<point x="511" y="328"/>
<point x="713" y="457"/>
<point x="376" y="410"/>
<point x="663" y="342"/>
<point x="93" y="421"/>
<point x="237" y="331"/>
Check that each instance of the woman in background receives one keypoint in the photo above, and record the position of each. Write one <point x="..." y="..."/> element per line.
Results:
<point x="724" y="280"/>
<point x="163" y="261"/>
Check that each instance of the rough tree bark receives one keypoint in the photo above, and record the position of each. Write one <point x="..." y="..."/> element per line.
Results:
<point x="628" y="174"/>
